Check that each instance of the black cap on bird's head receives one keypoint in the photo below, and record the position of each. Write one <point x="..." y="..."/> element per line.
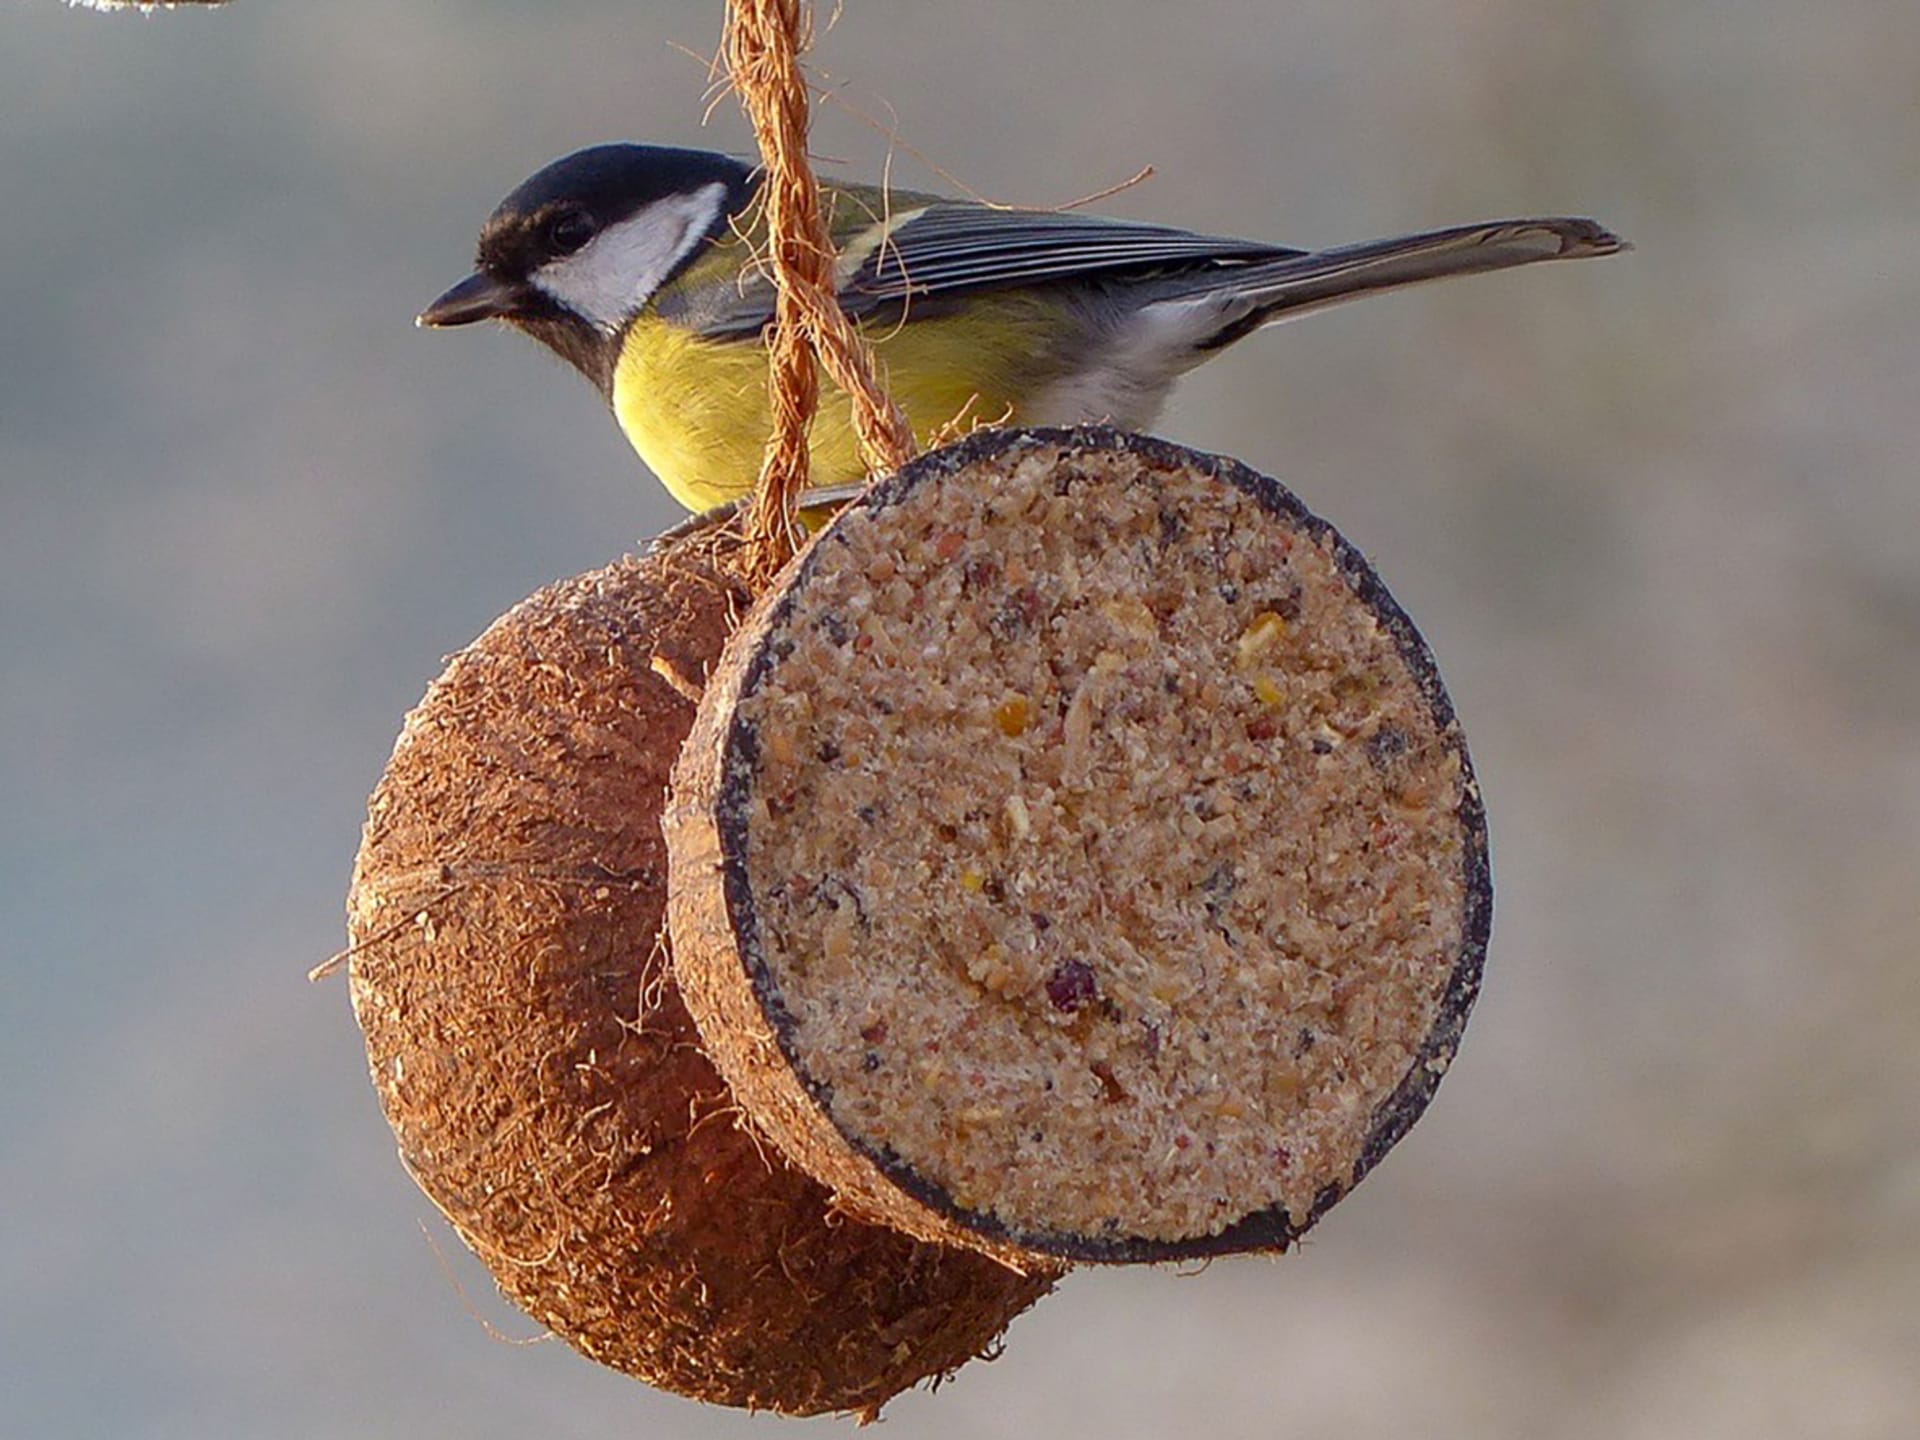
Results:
<point x="581" y="246"/>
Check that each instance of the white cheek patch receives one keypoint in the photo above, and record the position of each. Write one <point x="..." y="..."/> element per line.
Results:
<point x="615" y="273"/>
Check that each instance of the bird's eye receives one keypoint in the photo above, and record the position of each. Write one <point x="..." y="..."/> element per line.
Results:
<point x="568" y="231"/>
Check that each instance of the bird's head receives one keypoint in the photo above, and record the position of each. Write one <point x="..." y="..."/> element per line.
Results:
<point x="578" y="250"/>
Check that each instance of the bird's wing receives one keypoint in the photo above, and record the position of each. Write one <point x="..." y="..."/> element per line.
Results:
<point x="948" y="247"/>
<point x="971" y="247"/>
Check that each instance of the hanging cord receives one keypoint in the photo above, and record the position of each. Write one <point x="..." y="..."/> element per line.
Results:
<point x="762" y="46"/>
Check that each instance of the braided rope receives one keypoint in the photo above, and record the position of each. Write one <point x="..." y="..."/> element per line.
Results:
<point x="762" y="45"/>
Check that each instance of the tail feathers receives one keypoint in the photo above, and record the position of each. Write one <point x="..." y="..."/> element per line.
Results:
<point x="1273" y="290"/>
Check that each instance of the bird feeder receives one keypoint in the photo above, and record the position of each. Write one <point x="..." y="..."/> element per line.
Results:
<point x="1077" y="857"/>
<point x="1074" y="857"/>
<point x="530" y="1048"/>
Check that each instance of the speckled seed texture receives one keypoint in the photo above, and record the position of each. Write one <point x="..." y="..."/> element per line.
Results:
<point x="1101" y="847"/>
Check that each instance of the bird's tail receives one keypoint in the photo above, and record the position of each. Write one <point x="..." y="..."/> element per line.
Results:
<point x="1272" y="290"/>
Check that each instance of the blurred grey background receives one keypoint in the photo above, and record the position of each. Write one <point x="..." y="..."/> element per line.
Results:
<point x="1660" y="517"/>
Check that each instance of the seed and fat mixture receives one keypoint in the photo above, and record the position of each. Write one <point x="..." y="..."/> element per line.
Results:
<point x="1106" y="854"/>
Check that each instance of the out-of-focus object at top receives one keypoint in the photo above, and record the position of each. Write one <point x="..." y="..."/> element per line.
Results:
<point x="146" y="5"/>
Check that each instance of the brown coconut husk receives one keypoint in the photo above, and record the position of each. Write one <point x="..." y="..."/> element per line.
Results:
<point x="532" y="1053"/>
<point x="1078" y="856"/>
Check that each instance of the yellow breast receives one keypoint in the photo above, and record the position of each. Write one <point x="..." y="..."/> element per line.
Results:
<point x="697" y="410"/>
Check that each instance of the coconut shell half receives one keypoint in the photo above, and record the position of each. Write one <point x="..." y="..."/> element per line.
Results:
<point x="530" y="1048"/>
<point x="1077" y="855"/>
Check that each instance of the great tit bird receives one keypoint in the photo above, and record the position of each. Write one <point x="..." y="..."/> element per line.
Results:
<point x="637" y="265"/>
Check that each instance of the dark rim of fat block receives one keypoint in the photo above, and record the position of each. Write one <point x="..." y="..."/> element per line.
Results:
<point x="1269" y="1229"/>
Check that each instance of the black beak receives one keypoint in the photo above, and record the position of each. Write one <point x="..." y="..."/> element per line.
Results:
<point x="478" y="297"/>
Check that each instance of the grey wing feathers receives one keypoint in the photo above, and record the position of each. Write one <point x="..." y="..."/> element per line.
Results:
<point x="972" y="247"/>
<point x="952" y="248"/>
<point x="1237" y="285"/>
